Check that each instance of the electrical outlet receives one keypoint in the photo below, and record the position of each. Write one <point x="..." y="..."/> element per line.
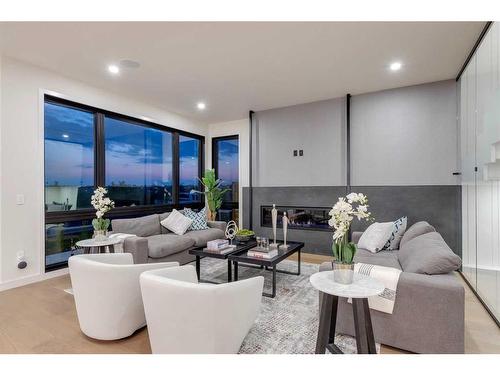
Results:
<point x="294" y="152"/>
<point x="301" y="152"/>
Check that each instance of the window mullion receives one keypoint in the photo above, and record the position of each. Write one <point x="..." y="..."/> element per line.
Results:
<point x="175" y="168"/>
<point x="100" y="163"/>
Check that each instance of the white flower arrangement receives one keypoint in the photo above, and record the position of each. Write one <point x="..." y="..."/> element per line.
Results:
<point x="102" y="204"/>
<point x="354" y="205"/>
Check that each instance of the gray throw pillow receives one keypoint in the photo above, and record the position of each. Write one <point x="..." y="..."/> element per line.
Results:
<point x="162" y="228"/>
<point x="417" y="229"/>
<point x="428" y="254"/>
<point x="141" y="226"/>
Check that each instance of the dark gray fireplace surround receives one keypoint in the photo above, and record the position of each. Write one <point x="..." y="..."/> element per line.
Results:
<point x="440" y="205"/>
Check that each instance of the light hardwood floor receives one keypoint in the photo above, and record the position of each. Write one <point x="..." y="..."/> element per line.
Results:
<point x="41" y="318"/>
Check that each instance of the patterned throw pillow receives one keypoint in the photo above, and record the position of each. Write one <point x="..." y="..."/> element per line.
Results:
<point x="199" y="218"/>
<point x="397" y="233"/>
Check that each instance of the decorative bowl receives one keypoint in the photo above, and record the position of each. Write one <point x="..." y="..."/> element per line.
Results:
<point x="244" y="238"/>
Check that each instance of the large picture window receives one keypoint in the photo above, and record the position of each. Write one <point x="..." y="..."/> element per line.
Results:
<point x="189" y="169"/>
<point x="69" y="179"/>
<point x="147" y="168"/>
<point x="225" y="160"/>
<point x="138" y="164"/>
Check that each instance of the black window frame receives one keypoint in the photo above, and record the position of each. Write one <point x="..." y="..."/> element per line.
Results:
<point x="215" y="162"/>
<point x="201" y="169"/>
<point x="100" y="166"/>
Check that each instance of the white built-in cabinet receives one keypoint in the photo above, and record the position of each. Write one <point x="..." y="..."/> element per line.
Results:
<point x="480" y="161"/>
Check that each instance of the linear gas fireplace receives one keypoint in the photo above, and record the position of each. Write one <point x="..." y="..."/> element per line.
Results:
<point x="308" y="218"/>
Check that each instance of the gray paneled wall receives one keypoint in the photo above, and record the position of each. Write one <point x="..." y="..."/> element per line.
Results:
<point x="404" y="149"/>
<point x="439" y="205"/>
<point x="318" y="242"/>
<point x="405" y="136"/>
<point x="317" y="128"/>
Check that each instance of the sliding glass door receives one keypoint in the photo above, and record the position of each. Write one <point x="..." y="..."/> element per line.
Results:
<point x="480" y="156"/>
<point x="225" y="161"/>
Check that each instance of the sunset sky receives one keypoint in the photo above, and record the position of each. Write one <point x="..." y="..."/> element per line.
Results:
<point x="135" y="155"/>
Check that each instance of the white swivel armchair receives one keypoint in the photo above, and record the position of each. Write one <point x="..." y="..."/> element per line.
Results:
<point x="107" y="293"/>
<point x="186" y="317"/>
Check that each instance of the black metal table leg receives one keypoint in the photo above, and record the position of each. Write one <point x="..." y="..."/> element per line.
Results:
<point x="229" y="271"/>
<point x="235" y="271"/>
<point x="274" y="282"/>
<point x="327" y="323"/>
<point x="198" y="266"/>
<point x="298" y="257"/>
<point x="365" y="340"/>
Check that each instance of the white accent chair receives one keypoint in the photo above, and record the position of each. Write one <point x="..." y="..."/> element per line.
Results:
<point x="185" y="317"/>
<point x="108" y="295"/>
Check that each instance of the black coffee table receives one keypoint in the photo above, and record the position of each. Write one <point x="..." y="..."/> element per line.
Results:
<point x="241" y="258"/>
<point x="240" y="247"/>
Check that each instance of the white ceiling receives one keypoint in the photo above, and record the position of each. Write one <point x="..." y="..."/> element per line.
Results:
<point x="236" y="67"/>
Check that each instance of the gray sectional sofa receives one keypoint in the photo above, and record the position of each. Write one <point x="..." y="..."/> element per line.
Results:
<point x="155" y="243"/>
<point x="428" y="314"/>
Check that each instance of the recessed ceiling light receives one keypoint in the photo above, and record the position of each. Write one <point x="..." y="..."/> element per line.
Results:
<point x="395" y="66"/>
<point x="65" y="136"/>
<point x="201" y="106"/>
<point x="113" y="69"/>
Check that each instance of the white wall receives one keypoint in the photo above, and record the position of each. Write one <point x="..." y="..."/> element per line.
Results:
<point x="21" y="156"/>
<point x="240" y="128"/>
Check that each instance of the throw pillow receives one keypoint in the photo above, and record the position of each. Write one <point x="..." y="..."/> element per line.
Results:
<point x="144" y="226"/>
<point x="199" y="218"/>
<point x="428" y="254"/>
<point x="417" y="229"/>
<point x="177" y="222"/>
<point x="398" y="230"/>
<point x="375" y="236"/>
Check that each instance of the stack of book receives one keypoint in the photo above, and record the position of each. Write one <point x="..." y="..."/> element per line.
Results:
<point x="262" y="253"/>
<point x="218" y="247"/>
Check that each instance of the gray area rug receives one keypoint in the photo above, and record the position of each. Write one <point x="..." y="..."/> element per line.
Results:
<point x="288" y="323"/>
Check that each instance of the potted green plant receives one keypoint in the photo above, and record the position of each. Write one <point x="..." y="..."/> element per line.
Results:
<point x="354" y="205"/>
<point x="213" y="192"/>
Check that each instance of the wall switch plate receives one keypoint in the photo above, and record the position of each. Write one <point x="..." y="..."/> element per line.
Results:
<point x="294" y="152"/>
<point x="301" y="152"/>
<point x="20" y="199"/>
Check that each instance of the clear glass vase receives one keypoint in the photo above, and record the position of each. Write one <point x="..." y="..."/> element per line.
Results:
<point x="100" y="235"/>
<point x="343" y="273"/>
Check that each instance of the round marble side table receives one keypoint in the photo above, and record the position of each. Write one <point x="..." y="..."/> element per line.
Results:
<point x="361" y="288"/>
<point x="91" y="245"/>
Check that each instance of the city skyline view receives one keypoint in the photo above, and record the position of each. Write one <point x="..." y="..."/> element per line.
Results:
<point x="135" y="155"/>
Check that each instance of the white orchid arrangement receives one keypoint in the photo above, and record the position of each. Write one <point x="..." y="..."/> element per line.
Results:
<point x="354" y="205"/>
<point x="102" y="204"/>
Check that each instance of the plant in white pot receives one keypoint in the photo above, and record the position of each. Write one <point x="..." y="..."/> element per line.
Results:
<point x="102" y="204"/>
<point x="354" y="205"/>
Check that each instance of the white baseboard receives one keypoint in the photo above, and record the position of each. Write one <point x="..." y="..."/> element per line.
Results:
<point x="10" y="284"/>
